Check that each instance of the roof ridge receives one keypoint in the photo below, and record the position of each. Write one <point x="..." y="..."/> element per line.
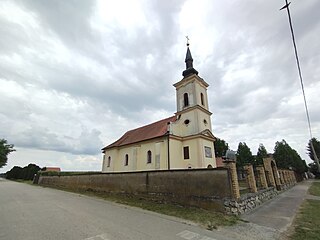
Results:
<point x="149" y="131"/>
<point x="150" y="124"/>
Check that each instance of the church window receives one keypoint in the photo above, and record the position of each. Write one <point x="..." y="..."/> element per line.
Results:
<point x="208" y="152"/>
<point x="126" y="162"/>
<point x="149" y="156"/>
<point x="186" y="99"/>
<point x="186" y="122"/>
<point x="205" y="122"/>
<point x="202" y="100"/>
<point x="109" y="161"/>
<point x="186" y="152"/>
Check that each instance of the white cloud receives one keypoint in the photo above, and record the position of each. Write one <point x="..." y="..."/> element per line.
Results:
<point x="75" y="75"/>
<point x="45" y="158"/>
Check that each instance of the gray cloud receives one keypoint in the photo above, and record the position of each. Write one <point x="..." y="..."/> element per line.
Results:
<point x="87" y="143"/>
<point x="71" y="87"/>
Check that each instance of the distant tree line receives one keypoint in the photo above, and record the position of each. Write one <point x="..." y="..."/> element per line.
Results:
<point x="285" y="156"/>
<point x="25" y="173"/>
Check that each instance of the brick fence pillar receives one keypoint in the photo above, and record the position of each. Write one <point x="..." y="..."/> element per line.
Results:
<point x="262" y="176"/>
<point x="231" y="165"/>
<point x="269" y="173"/>
<point x="250" y="178"/>
<point x="293" y="177"/>
<point x="281" y="177"/>
<point x="285" y="176"/>
<point x="277" y="179"/>
<point x="288" y="177"/>
<point x="271" y="178"/>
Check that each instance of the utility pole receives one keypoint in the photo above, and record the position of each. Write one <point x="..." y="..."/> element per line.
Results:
<point x="286" y="6"/>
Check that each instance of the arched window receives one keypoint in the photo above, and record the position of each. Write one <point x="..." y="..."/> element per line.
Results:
<point x="202" y="100"/>
<point x="149" y="156"/>
<point x="109" y="161"/>
<point x="186" y="153"/>
<point x="186" y="99"/>
<point x="126" y="162"/>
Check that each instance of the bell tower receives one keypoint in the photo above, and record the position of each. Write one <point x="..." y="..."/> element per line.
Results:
<point x="191" y="135"/>
<point x="192" y="99"/>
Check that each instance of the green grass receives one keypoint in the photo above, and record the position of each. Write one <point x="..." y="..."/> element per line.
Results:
<point x="307" y="222"/>
<point x="208" y="219"/>
<point x="315" y="189"/>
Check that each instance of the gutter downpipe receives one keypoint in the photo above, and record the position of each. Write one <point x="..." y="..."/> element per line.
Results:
<point x="168" y="135"/>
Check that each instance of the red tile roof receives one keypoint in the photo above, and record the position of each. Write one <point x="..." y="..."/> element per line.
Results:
<point x="219" y="162"/>
<point x="153" y="130"/>
<point x="51" y="169"/>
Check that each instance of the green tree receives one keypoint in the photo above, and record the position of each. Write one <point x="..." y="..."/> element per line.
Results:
<point x="316" y="146"/>
<point x="313" y="168"/>
<point x="262" y="153"/>
<point x="220" y="147"/>
<point x="244" y="155"/>
<point x="26" y="173"/>
<point x="14" y="173"/>
<point x="5" y="149"/>
<point x="316" y="149"/>
<point x="288" y="158"/>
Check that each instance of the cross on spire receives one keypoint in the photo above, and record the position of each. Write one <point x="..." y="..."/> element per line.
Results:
<point x="189" y="62"/>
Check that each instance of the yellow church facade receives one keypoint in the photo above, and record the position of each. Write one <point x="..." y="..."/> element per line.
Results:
<point x="182" y="141"/>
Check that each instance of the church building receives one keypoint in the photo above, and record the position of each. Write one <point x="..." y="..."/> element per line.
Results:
<point x="182" y="141"/>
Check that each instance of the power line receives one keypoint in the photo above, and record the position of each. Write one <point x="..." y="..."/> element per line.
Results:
<point x="301" y="82"/>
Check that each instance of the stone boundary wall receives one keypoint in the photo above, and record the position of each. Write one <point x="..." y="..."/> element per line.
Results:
<point x="205" y="188"/>
<point x="269" y="178"/>
<point x="250" y="201"/>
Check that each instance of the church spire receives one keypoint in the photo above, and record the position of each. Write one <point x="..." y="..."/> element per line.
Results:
<point x="189" y="62"/>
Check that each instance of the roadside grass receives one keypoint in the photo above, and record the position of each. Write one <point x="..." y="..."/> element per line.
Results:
<point x="208" y="219"/>
<point x="23" y="181"/>
<point x="315" y="189"/>
<point x="307" y="222"/>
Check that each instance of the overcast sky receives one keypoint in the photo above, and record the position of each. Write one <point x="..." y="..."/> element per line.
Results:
<point x="75" y="75"/>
